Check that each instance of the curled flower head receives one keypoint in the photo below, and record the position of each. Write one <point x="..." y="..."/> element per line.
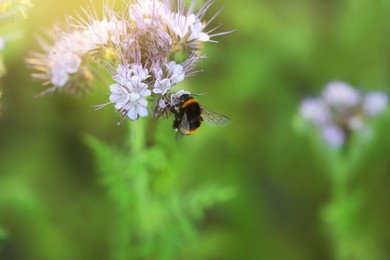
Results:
<point x="62" y="63"/>
<point x="149" y="47"/>
<point x="103" y="32"/>
<point x="148" y="11"/>
<point x="341" y="110"/>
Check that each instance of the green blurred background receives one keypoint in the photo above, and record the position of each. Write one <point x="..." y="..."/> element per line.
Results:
<point x="53" y="206"/>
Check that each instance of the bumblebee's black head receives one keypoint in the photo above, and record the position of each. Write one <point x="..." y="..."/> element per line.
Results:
<point x="184" y="98"/>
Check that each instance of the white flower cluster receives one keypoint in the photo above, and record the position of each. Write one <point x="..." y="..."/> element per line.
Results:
<point x="140" y="44"/>
<point x="62" y="60"/>
<point x="169" y="75"/>
<point x="107" y="30"/>
<point x="181" y="25"/>
<point x="342" y="109"/>
<point x="65" y="57"/>
<point x="129" y="93"/>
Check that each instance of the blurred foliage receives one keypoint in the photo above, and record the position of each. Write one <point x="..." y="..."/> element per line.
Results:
<point x="60" y="199"/>
<point x="155" y="213"/>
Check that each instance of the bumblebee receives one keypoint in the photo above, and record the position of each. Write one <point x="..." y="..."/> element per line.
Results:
<point x="189" y="114"/>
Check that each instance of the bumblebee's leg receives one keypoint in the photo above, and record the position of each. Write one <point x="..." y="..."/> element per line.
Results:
<point x="174" y="111"/>
<point x="176" y="123"/>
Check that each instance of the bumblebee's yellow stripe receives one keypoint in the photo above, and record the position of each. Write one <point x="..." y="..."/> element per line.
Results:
<point x="188" y="102"/>
<point x="188" y="132"/>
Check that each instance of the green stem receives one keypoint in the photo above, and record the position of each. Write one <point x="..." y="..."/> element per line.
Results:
<point x="151" y="131"/>
<point x="137" y="135"/>
<point x="340" y="182"/>
<point x="142" y="134"/>
<point x="341" y="213"/>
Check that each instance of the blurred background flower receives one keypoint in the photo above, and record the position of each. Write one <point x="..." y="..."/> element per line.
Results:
<point x="55" y="205"/>
<point x="341" y="110"/>
<point x="9" y="9"/>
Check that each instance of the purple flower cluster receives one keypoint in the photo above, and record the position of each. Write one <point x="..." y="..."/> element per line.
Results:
<point x="148" y="47"/>
<point x="342" y="109"/>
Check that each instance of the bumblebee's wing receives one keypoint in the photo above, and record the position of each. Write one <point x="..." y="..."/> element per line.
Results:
<point x="184" y="127"/>
<point x="214" y="119"/>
